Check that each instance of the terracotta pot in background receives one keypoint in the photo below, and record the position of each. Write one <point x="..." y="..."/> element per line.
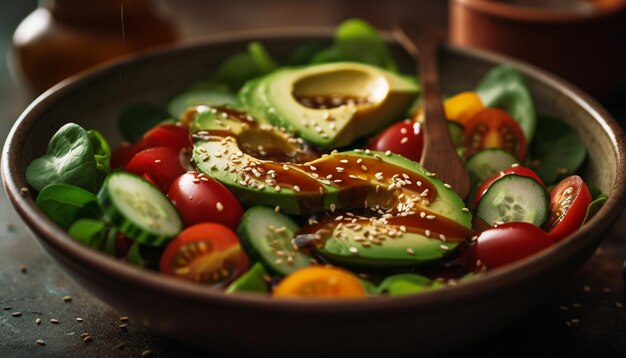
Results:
<point x="586" y="48"/>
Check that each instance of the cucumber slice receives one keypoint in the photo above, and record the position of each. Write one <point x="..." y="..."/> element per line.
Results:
<point x="487" y="163"/>
<point x="267" y="237"/>
<point x="179" y="104"/>
<point x="514" y="198"/>
<point x="139" y="209"/>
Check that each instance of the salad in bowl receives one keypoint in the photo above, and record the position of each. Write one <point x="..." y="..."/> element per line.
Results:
<point x="302" y="179"/>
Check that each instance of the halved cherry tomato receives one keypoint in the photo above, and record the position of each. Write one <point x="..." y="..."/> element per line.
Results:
<point x="569" y="200"/>
<point x="206" y="253"/>
<point x="320" y="282"/>
<point x="518" y="170"/>
<point x="167" y="135"/>
<point x="506" y="243"/>
<point x="160" y="166"/>
<point x="405" y="138"/>
<point x="199" y="198"/>
<point x="494" y="128"/>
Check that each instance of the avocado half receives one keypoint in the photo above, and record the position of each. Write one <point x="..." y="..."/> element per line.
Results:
<point x="330" y="105"/>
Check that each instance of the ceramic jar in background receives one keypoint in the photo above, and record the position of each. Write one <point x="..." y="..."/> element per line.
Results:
<point x="64" y="37"/>
<point x="587" y="48"/>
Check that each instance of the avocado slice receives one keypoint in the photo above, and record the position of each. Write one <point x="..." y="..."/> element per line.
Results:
<point x="329" y="105"/>
<point x="266" y="166"/>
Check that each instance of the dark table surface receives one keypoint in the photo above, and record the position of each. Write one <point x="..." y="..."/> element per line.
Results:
<point x="585" y="318"/>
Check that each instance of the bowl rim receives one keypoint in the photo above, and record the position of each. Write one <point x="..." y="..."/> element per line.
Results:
<point x="538" y="15"/>
<point x="57" y="239"/>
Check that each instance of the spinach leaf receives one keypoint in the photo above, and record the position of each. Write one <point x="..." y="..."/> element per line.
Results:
<point x="356" y="40"/>
<point x="304" y="53"/>
<point x="70" y="159"/>
<point x="503" y="87"/>
<point x="595" y="206"/>
<point x="138" y="118"/>
<point x="403" y="284"/>
<point x="89" y="232"/>
<point x="557" y="150"/>
<point x="102" y="154"/>
<point x="64" y="204"/>
<point x="241" y="67"/>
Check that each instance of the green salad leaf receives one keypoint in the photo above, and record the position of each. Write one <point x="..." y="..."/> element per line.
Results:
<point x="70" y="159"/>
<point x="102" y="154"/>
<point x="356" y="40"/>
<point x="241" y="67"/>
<point x="503" y="87"/>
<point x="252" y="281"/>
<point x="64" y="204"/>
<point x="89" y="232"/>
<point x="557" y="150"/>
<point x="138" y="118"/>
<point x="404" y="284"/>
<point x="595" y="206"/>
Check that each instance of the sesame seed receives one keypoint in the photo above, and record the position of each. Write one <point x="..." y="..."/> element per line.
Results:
<point x="332" y="207"/>
<point x="88" y="339"/>
<point x="6" y="308"/>
<point x="219" y="206"/>
<point x="277" y="209"/>
<point x="123" y="326"/>
<point x="16" y="314"/>
<point x="67" y="298"/>
<point x="339" y="169"/>
<point x="146" y="353"/>
<point x="54" y="321"/>
<point x="465" y="210"/>
<point x="85" y="334"/>
<point x="120" y="345"/>
<point x="447" y="185"/>
<point x="40" y="342"/>
<point x="38" y="321"/>
<point x="404" y="140"/>
<point x="430" y="217"/>
<point x="24" y="191"/>
<point x="427" y="233"/>
<point x="387" y="152"/>
<point x="296" y="188"/>
<point x="444" y="247"/>
<point x="353" y="250"/>
<point x="410" y="251"/>
<point x="79" y="319"/>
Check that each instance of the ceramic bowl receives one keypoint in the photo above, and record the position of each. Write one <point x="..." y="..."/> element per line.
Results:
<point x="428" y="323"/>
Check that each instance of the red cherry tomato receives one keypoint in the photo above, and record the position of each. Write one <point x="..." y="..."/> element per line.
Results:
<point x="523" y="171"/>
<point x="124" y="153"/>
<point x="569" y="200"/>
<point x="506" y="243"/>
<point x="206" y="253"/>
<point x="494" y="128"/>
<point x="160" y="166"/>
<point x="405" y="138"/>
<point x="167" y="135"/>
<point x="199" y="198"/>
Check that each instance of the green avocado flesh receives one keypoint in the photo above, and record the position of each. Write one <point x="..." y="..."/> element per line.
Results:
<point x="329" y="105"/>
<point x="403" y="215"/>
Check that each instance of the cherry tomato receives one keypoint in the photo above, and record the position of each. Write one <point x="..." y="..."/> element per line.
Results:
<point x="506" y="243"/>
<point x="518" y="170"/>
<point x="199" y="198"/>
<point x="494" y="128"/>
<point x="320" y="282"/>
<point x="124" y="153"/>
<point x="569" y="200"/>
<point x="405" y="138"/>
<point x="206" y="253"/>
<point x="167" y="135"/>
<point x="160" y="166"/>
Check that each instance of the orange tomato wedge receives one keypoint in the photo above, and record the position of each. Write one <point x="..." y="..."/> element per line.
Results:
<point x="320" y="282"/>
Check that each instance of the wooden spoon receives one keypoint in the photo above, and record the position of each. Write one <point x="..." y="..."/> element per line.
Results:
<point x="439" y="154"/>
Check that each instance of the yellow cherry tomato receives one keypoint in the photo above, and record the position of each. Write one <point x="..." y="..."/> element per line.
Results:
<point x="320" y="282"/>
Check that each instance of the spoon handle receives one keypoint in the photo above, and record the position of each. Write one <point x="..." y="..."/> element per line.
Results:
<point x="439" y="154"/>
